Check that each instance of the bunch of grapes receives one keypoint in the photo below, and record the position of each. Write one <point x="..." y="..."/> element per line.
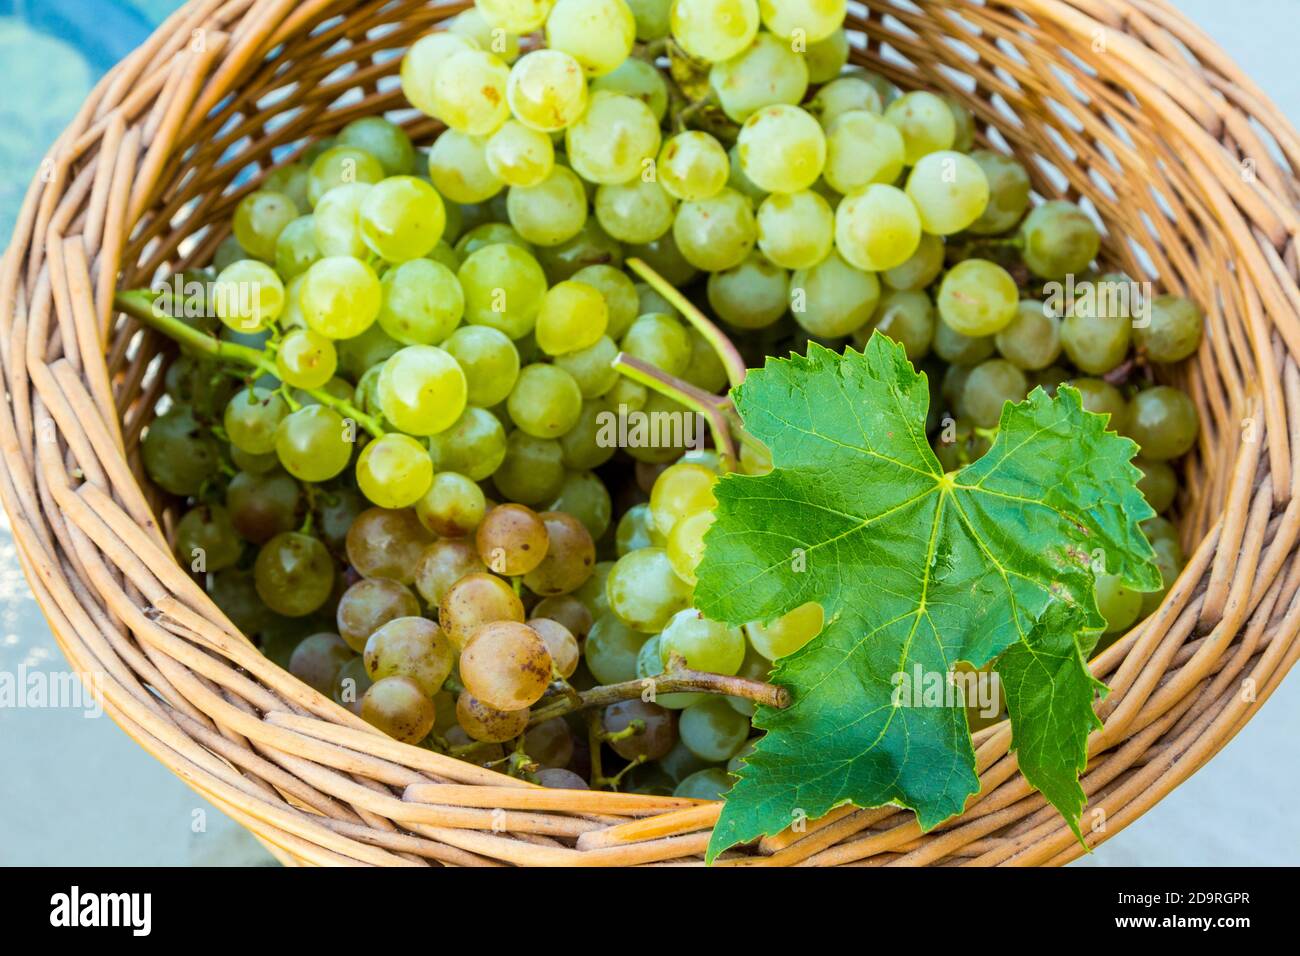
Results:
<point x="405" y="492"/>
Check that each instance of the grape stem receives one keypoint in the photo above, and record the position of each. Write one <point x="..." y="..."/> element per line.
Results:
<point x="717" y="339"/>
<point x="139" y="304"/>
<point x="684" y="393"/>
<point x="676" y="679"/>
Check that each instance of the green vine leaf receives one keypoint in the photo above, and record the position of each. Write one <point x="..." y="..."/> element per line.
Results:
<point x="916" y="570"/>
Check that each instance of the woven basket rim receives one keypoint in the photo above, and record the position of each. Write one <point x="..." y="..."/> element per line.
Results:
<point x="1146" y="100"/>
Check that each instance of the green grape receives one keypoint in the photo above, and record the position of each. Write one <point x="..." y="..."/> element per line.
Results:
<point x="519" y="155"/>
<point x="489" y="359"/>
<point x="1174" y="330"/>
<point x="568" y="560"/>
<point x="637" y="211"/>
<point x="572" y="317"/>
<point x="1164" y="422"/>
<point x="795" y="230"/>
<point x="926" y="123"/>
<point x="958" y="349"/>
<point x="788" y="633"/>
<point x="597" y="33"/>
<point x="295" y="251"/>
<point x="443" y="253"/>
<point x="314" y="443"/>
<point x="990" y="385"/>
<point x="387" y="544"/>
<point x="920" y="269"/>
<point x="475" y="444"/>
<point x="640" y="80"/>
<point x="827" y="56"/>
<point x="362" y="353"/>
<point x="751" y="295"/>
<point x="469" y="92"/>
<point x="294" y="574"/>
<point x="444" y="563"/>
<point x="663" y="256"/>
<point x="547" y="90"/>
<point x="351" y="684"/>
<point x="412" y="647"/>
<point x="716" y="233"/>
<point x="705" y="645"/>
<point x="262" y="506"/>
<point x="340" y="297"/>
<point x="584" y="446"/>
<point x="652" y="18"/>
<point x="964" y="139"/>
<point x="316" y="147"/>
<point x="259" y="218"/>
<point x="862" y="149"/>
<point x="877" y="228"/>
<point x="424" y="60"/>
<point x="532" y="471"/>
<point x="394" y="471"/>
<point x="338" y="166"/>
<point x="248" y="295"/>
<point x="1096" y="339"/>
<point x="317" y="660"/>
<point x="666" y="443"/>
<point x="636" y="530"/>
<point x="782" y="149"/>
<point x="337" y="221"/>
<point x="489" y="234"/>
<point x="705" y="369"/>
<point x="473" y="25"/>
<point x="545" y="401"/>
<point x="693" y="166"/>
<point x="950" y="191"/>
<point x="422" y="302"/>
<point x="649" y="664"/>
<point x="305" y="359"/>
<point x="229" y="251"/>
<point x="505" y="664"/>
<point x="503" y="287"/>
<point x="453" y="506"/>
<point x="206" y="532"/>
<point x="686" y="544"/>
<point x="712" y="730"/>
<point x="1009" y="189"/>
<point x="809" y="20"/>
<point x="1058" y="240"/>
<point x="1170" y="561"/>
<point x="459" y="170"/>
<point x="845" y="94"/>
<point x="767" y="73"/>
<point x="592" y="367"/>
<point x="613" y="140"/>
<point x="611" y="650"/>
<point x="661" y="341"/>
<point x="708" y="784"/>
<point x="399" y="707"/>
<point x="290" y="180"/>
<point x="1119" y="604"/>
<point x="644" y="591"/>
<point x="592" y="594"/>
<point x="401" y="218"/>
<point x="714" y="30"/>
<point x="385" y="141"/>
<point x="906" y="317"/>
<point x="978" y="297"/>
<point x="738" y="181"/>
<point x="1032" y="340"/>
<point x="681" y="490"/>
<point x="551" y="212"/>
<point x="251" y="418"/>
<point x="178" y="454"/>
<point x="1158" y="484"/>
<point x="833" y="299"/>
<point x="649" y="300"/>
<point x="422" y="390"/>
<point x="591" y="246"/>
<point x="1102" y="398"/>
<point x="517" y="16"/>
<point x="584" y="496"/>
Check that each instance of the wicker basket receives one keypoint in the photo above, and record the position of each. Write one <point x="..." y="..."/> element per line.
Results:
<point x="1121" y="103"/>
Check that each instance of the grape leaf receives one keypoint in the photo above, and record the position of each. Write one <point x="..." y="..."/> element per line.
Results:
<point x="916" y="570"/>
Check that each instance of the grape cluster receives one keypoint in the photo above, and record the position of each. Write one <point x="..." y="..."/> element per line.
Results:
<point x="408" y="502"/>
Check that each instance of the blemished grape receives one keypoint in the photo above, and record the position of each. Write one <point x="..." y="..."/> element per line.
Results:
<point x="789" y="632"/>
<point x="314" y="443"/>
<point x="532" y="471"/>
<point x="597" y="33"/>
<point x="714" y="30"/>
<point x="317" y="660"/>
<point x="637" y="211"/>
<point x="1173" y="331"/>
<point x="613" y="140"/>
<point x="978" y="297"/>
<point x="251" y="418"/>
<point x="1009" y="189"/>
<point x="401" y="218"/>
<point x="716" y="233"/>
<point x="368" y="605"/>
<point x="248" y="296"/>
<point x="206" y="539"/>
<point x="833" y="299"/>
<point x="545" y="402"/>
<point x="385" y="141"/>
<point x="422" y="62"/>
<point x="383" y="543"/>
<point x="1059" y="239"/>
<point x="550" y="212"/>
<point x="795" y="230"/>
<point x="704" y="644"/>
<point x="611" y="650"/>
<point x="442" y="564"/>
<point x="708" y="784"/>
<point x="340" y="297"/>
<point x="505" y="664"/>
<point x="486" y="723"/>
<point x="547" y="90"/>
<point x="394" y="471"/>
<point x="1163" y="421"/>
<point x="519" y="155"/>
<point x="782" y="149"/>
<point x="644" y="731"/>
<point x="422" y="390"/>
<point x="400" y="708"/>
<point x="469" y="92"/>
<point x="950" y="191"/>
<point x="512" y="539"/>
<point x="503" y="287"/>
<point x="752" y="295"/>
<point x="262" y="506"/>
<point x="411" y="647"/>
<point x="644" y="591"/>
<point x="568" y="560"/>
<point x="489" y="360"/>
<point x="1032" y="340"/>
<point x="560" y="643"/>
<point x="453" y="506"/>
<point x="306" y="359"/>
<point x="989" y="386"/>
<point x="925" y="122"/>
<point x="459" y="170"/>
<point x="474" y="600"/>
<point x="770" y="71"/>
<point x="877" y="228"/>
<point x="259" y="219"/>
<point x="294" y="574"/>
<point x="712" y="730"/>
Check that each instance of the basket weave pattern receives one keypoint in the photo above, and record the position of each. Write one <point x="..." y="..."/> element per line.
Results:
<point x="1123" y="104"/>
